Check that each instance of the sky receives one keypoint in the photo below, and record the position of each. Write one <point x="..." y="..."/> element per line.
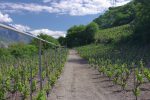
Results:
<point x="52" y="17"/>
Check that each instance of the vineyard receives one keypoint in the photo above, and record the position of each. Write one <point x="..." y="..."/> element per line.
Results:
<point x="20" y="80"/>
<point x="28" y="71"/>
<point x="119" y="33"/>
<point x="124" y="65"/>
<point x="108" y="58"/>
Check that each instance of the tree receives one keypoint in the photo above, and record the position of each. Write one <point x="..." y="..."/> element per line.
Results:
<point x="75" y="36"/>
<point x="62" y="41"/>
<point x="81" y="35"/>
<point x="90" y="31"/>
<point x="47" y="38"/>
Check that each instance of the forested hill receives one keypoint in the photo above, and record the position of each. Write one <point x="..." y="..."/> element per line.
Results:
<point x="136" y="15"/>
<point x="116" y="16"/>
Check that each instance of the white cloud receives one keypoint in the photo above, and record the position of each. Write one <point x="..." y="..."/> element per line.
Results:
<point x="121" y="2"/>
<point x="5" y="18"/>
<point x="81" y="7"/>
<point x="24" y="28"/>
<point x="54" y="34"/>
<point x="71" y="7"/>
<point x="24" y="6"/>
<point x="21" y="27"/>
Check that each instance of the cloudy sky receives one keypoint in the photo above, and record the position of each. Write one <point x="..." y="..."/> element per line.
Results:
<point x="52" y="17"/>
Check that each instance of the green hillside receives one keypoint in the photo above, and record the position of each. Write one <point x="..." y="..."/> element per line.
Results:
<point x="128" y="23"/>
<point x="114" y="34"/>
<point x="106" y="28"/>
<point x="116" y="16"/>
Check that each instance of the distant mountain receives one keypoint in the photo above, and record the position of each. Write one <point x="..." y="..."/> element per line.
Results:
<point x="9" y="36"/>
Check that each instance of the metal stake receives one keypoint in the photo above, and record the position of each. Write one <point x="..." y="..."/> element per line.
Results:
<point x="40" y="63"/>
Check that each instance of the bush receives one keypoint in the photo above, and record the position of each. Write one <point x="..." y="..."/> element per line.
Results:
<point x="22" y="50"/>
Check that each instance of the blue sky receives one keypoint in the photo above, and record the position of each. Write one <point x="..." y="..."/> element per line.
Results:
<point x="52" y="17"/>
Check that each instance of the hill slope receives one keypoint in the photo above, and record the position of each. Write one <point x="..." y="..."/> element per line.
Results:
<point x="114" y="34"/>
<point x="116" y="16"/>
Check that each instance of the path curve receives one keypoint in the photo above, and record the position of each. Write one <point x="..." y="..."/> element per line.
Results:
<point x="78" y="82"/>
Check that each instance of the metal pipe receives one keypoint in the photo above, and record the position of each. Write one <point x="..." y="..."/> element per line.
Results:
<point x="27" y="33"/>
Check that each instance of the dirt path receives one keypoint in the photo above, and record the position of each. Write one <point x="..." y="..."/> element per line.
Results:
<point x="79" y="82"/>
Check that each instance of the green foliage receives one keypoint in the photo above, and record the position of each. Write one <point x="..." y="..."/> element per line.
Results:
<point x="17" y="71"/>
<point x="34" y="82"/>
<point x="62" y="41"/>
<point x="75" y="36"/>
<point x="81" y="35"/>
<point x="23" y="89"/>
<point x="116" y="16"/>
<point x="142" y="22"/>
<point x="43" y="75"/>
<point x="44" y="45"/>
<point x="22" y="50"/>
<point x="53" y="79"/>
<point x="136" y="91"/>
<point x="147" y="74"/>
<point x="115" y="34"/>
<point x="90" y="31"/>
<point x="4" y="52"/>
<point x="41" y="95"/>
<point x="118" y="64"/>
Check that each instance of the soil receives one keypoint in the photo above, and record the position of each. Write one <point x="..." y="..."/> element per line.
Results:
<point x="80" y="82"/>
